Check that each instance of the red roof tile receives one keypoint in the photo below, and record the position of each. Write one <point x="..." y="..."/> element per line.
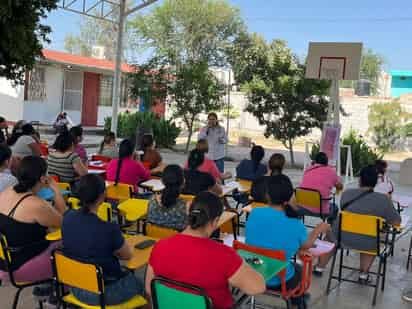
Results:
<point x="70" y="59"/>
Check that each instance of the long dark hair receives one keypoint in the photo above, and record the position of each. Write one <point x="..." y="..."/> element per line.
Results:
<point x="205" y="208"/>
<point x="126" y="149"/>
<point x="108" y="137"/>
<point x="173" y="180"/>
<point x="257" y="154"/>
<point x="26" y="129"/>
<point x="63" y="142"/>
<point x="76" y="132"/>
<point x="196" y="158"/>
<point x="29" y="172"/>
<point x="91" y="186"/>
<point x="280" y="191"/>
<point x="381" y="166"/>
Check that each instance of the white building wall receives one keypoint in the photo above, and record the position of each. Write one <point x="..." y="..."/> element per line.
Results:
<point x="11" y="100"/>
<point x="47" y="110"/>
<point x="106" y="111"/>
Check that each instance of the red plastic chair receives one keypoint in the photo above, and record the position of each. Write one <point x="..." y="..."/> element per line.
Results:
<point x="44" y="150"/>
<point x="55" y="178"/>
<point x="146" y="165"/>
<point x="286" y="294"/>
<point x="104" y="159"/>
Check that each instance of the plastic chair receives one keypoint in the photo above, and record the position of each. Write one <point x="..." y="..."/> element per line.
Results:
<point x="286" y="294"/>
<point x="311" y="200"/>
<point x="159" y="232"/>
<point x="105" y="212"/>
<point x="170" y="294"/>
<point x="55" y="178"/>
<point x="89" y="277"/>
<point x="64" y="186"/>
<point x="119" y="192"/>
<point x="104" y="159"/>
<point x="232" y="226"/>
<point x="361" y="225"/>
<point x="187" y="197"/>
<point x="132" y="210"/>
<point x="6" y="256"/>
<point x="73" y="203"/>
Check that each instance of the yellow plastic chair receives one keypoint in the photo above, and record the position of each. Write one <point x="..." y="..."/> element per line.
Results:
<point x="361" y="225"/>
<point x="120" y="192"/>
<point x="231" y="227"/>
<point x="159" y="232"/>
<point x="6" y="256"/>
<point x="74" y="203"/>
<point x="105" y="212"/>
<point x="187" y="197"/>
<point x="89" y="277"/>
<point x="64" y="186"/>
<point x="133" y="209"/>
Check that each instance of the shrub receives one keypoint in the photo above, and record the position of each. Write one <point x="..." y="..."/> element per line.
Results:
<point x="362" y="154"/>
<point x="386" y="124"/>
<point x="165" y="131"/>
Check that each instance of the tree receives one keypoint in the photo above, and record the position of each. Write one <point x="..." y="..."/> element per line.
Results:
<point x="184" y="31"/>
<point x="96" y="32"/>
<point x="21" y="35"/>
<point x="287" y="104"/>
<point x="386" y="122"/>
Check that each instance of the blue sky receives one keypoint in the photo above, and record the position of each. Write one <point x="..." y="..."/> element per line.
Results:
<point x="384" y="26"/>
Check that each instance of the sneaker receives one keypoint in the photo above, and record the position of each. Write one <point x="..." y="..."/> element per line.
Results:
<point x="407" y="296"/>
<point x="42" y="292"/>
<point x="318" y="271"/>
<point x="364" y="278"/>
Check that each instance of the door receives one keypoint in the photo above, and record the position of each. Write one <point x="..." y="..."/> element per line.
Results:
<point x="91" y="87"/>
<point x="72" y="95"/>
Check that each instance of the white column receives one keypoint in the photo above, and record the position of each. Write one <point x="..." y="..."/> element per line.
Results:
<point x="118" y="72"/>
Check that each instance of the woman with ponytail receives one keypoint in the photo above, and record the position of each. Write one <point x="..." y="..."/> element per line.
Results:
<point x="168" y="210"/>
<point x="253" y="168"/>
<point x="279" y="227"/>
<point x="25" y="218"/>
<point x="92" y="240"/>
<point x="126" y="169"/>
<point x="192" y="257"/>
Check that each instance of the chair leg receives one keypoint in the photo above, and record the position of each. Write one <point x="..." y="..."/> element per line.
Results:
<point x="378" y="276"/>
<point x="384" y="274"/>
<point x="393" y="243"/>
<point x="409" y="254"/>
<point x="340" y="265"/>
<point x="252" y="302"/>
<point x="40" y="304"/>
<point x="16" y="298"/>
<point x="332" y="268"/>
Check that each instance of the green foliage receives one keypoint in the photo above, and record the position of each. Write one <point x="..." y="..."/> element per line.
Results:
<point x="362" y="154"/>
<point x="287" y="104"/>
<point x="188" y="30"/>
<point x="21" y="35"/>
<point x="386" y="124"/>
<point x="371" y="67"/>
<point x="407" y="130"/>
<point x="165" y="131"/>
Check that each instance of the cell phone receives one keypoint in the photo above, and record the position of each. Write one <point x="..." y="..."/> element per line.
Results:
<point x="145" y="244"/>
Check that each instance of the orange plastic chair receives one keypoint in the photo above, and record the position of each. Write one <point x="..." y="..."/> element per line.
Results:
<point x="286" y="294"/>
<point x="101" y="158"/>
<point x="146" y="165"/>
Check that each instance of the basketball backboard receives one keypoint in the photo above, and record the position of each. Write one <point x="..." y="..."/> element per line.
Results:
<point x="334" y="61"/>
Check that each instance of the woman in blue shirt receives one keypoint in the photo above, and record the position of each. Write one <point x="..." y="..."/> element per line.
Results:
<point x="90" y="239"/>
<point x="278" y="227"/>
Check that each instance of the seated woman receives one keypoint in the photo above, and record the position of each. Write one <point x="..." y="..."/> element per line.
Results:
<point x="151" y="156"/>
<point x="125" y="169"/>
<point x="90" y="239"/>
<point x="385" y="184"/>
<point x="193" y="258"/>
<point x="197" y="181"/>
<point x="276" y="164"/>
<point x="64" y="162"/>
<point x="77" y="133"/>
<point x="25" y="218"/>
<point x="6" y="178"/>
<point x="168" y="210"/>
<point x="108" y="146"/>
<point x="252" y="169"/>
<point x="209" y="166"/>
<point x="262" y="232"/>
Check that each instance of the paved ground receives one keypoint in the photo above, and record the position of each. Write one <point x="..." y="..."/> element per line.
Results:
<point x="346" y="296"/>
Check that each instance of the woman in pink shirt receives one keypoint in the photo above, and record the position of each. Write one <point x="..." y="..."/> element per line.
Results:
<point x="126" y="169"/>
<point x="209" y="166"/>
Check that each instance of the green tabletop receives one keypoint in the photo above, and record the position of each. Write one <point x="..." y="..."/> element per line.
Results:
<point x="269" y="268"/>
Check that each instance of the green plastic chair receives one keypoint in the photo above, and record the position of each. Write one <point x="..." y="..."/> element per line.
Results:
<point x="169" y="294"/>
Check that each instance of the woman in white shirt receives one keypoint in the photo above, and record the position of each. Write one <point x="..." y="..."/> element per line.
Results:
<point x="23" y="142"/>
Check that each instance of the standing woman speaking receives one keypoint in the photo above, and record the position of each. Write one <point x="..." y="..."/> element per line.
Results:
<point x="216" y="137"/>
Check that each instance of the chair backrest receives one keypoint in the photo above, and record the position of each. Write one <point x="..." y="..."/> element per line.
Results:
<point x="64" y="186"/>
<point x="119" y="192"/>
<point x="55" y="178"/>
<point x="133" y="209"/>
<point x="77" y="274"/>
<point x="156" y="231"/>
<point x="44" y="149"/>
<point x="273" y="254"/>
<point x="187" y="197"/>
<point x="101" y="158"/>
<point x="167" y="294"/>
<point x="105" y="212"/>
<point x="309" y="198"/>
<point x="4" y="251"/>
<point x="360" y="224"/>
<point x="74" y="203"/>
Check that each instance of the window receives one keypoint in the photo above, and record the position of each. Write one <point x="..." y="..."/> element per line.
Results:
<point x="106" y="88"/>
<point x="73" y="87"/>
<point x="37" y="84"/>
